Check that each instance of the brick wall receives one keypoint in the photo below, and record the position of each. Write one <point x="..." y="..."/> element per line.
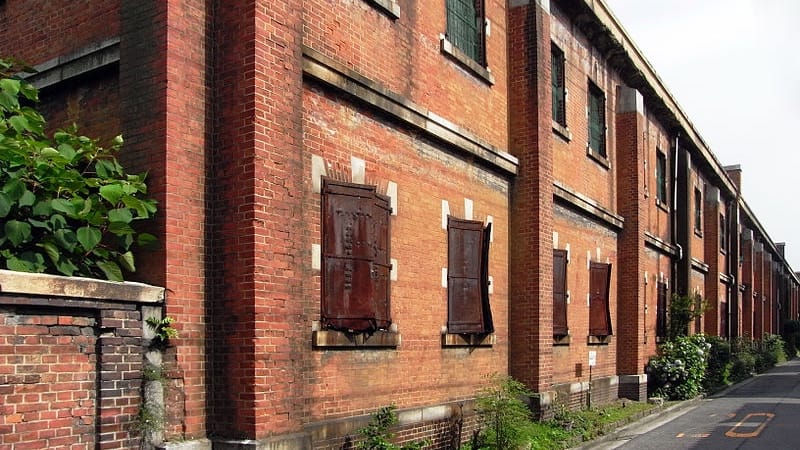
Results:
<point x="48" y="371"/>
<point x="70" y="366"/>
<point x="39" y="30"/>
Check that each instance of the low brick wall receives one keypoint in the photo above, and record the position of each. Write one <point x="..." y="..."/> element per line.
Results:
<point x="71" y="361"/>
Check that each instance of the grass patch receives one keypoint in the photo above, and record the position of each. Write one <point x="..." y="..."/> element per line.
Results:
<point x="569" y="428"/>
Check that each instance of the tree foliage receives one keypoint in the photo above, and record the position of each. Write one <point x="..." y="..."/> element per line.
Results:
<point x="66" y="204"/>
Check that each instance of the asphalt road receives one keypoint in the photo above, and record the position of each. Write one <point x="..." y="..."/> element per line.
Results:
<point x="760" y="413"/>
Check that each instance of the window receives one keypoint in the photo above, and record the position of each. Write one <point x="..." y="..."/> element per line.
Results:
<point x="698" y="211"/>
<point x="597" y="120"/>
<point x="560" y="293"/>
<point x="465" y="23"/>
<point x="661" y="178"/>
<point x="355" y="258"/>
<point x="661" y="310"/>
<point x="559" y="86"/>
<point x="723" y="234"/>
<point x="468" y="310"/>
<point x="599" y="312"/>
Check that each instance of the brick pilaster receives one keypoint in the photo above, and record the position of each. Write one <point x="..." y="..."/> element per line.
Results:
<point x="531" y="255"/>
<point x="629" y="124"/>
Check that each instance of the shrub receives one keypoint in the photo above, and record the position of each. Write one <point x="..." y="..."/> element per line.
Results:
<point x="743" y="361"/>
<point x="719" y="363"/>
<point x="376" y="435"/>
<point x="677" y="372"/>
<point x="683" y="309"/>
<point x="505" y="418"/>
<point x="770" y="352"/>
<point x="66" y="205"/>
<point x="791" y="337"/>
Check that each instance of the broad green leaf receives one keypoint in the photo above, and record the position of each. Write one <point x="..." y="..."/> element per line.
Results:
<point x="120" y="228"/>
<point x="27" y="199"/>
<point x="126" y="261"/>
<point x="58" y="221"/>
<point x="145" y="239"/>
<point x="101" y="168"/>
<point x="111" y="270"/>
<point x="17" y="232"/>
<point x="5" y="204"/>
<point x="67" y="151"/>
<point x="49" y="153"/>
<point x="120" y="215"/>
<point x="87" y="208"/>
<point x="9" y="85"/>
<point x="65" y="239"/>
<point x="29" y="92"/>
<point x="35" y="259"/>
<point x="66" y="267"/>
<point x="39" y="224"/>
<point x="8" y="102"/>
<point x="63" y="205"/>
<point x="19" y="265"/>
<point x="126" y="241"/>
<point x="111" y="192"/>
<point x="51" y="250"/>
<point x="14" y="188"/>
<point x="20" y="123"/>
<point x="89" y="237"/>
<point x="42" y="208"/>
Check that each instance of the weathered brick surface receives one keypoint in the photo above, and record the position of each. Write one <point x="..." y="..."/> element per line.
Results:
<point x="59" y="368"/>
<point x="47" y="380"/>
<point x="39" y="30"/>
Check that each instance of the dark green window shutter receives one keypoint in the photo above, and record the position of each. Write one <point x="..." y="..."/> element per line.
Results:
<point x="465" y="22"/>
<point x="558" y="86"/>
<point x="661" y="310"/>
<point x="597" y="120"/>
<point x="698" y="210"/>
<point x="661" y="177"/>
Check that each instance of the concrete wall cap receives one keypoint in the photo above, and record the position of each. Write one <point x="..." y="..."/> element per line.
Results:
<point x="77" y="287"/>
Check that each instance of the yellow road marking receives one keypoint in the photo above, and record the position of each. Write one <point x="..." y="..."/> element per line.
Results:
<point x="733" y="433"/>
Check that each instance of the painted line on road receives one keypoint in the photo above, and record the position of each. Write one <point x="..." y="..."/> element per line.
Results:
<point x="745" y="423"/>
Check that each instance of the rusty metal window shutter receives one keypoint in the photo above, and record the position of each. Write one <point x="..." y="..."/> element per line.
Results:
<point x="661" y="310"/>
<point x="599" y="311"/>
<point x="355" y="253"/>
<point x="468" y="310"/>
<point x="559" y="292"/>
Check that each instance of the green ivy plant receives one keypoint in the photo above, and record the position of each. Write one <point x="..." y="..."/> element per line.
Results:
<point x="66" y="204"/>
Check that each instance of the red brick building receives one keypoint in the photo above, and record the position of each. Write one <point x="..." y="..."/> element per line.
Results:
<point x="374" y="202"/>
<point x="333" y="186"/>
<point x="635" y="204"/>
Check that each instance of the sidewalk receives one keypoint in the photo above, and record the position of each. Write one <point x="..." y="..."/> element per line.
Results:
<point x="654" y="419"/>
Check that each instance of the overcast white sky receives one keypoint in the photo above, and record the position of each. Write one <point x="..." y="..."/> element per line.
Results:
<point x="734" y="67"/>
